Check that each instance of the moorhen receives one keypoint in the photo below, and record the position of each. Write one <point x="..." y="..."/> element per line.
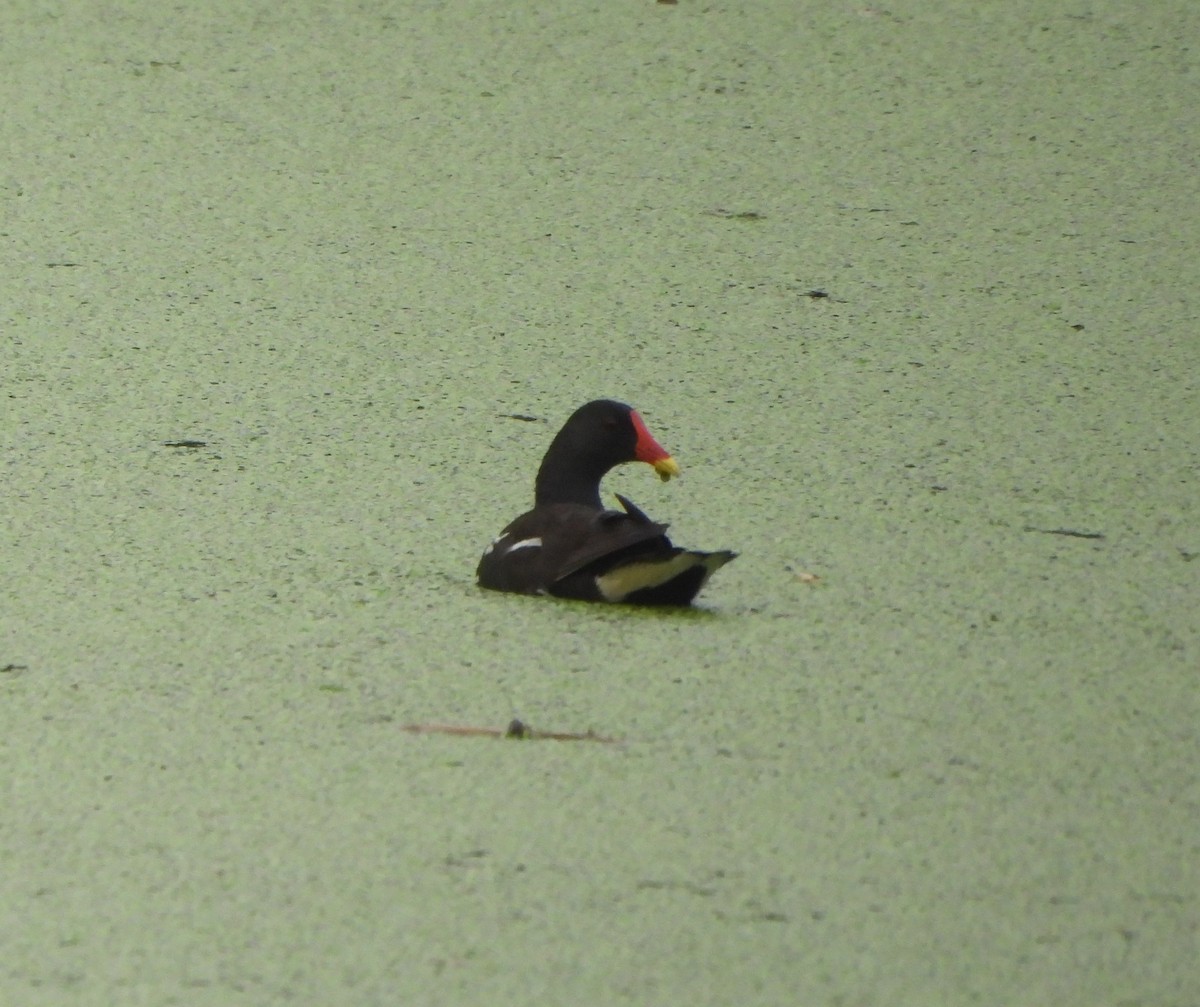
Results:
<point x="571" y="547"/>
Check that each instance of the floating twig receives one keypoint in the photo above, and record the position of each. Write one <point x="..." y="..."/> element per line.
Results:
<point x="721" y="212"/>
<point x="1069" y="532"/>
<point x="517" y="730"/>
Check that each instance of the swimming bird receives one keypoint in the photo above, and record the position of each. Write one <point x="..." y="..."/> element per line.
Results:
<point x="570" y="546"/>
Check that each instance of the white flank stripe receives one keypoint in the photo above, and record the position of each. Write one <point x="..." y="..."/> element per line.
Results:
<point x="525" y="543"/>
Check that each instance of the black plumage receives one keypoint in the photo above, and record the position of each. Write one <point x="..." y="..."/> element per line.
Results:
<point x="570" y="546"/>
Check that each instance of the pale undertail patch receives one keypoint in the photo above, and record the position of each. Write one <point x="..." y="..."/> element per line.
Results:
<point x="624" y="580"/>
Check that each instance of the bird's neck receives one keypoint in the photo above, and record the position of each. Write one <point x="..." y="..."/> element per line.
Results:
<point x="563" y="481"/>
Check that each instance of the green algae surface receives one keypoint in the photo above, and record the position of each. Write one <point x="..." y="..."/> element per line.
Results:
<point x="295" y="298"/>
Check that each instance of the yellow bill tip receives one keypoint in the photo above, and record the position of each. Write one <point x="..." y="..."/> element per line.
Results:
<point x="667" y="467"/>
